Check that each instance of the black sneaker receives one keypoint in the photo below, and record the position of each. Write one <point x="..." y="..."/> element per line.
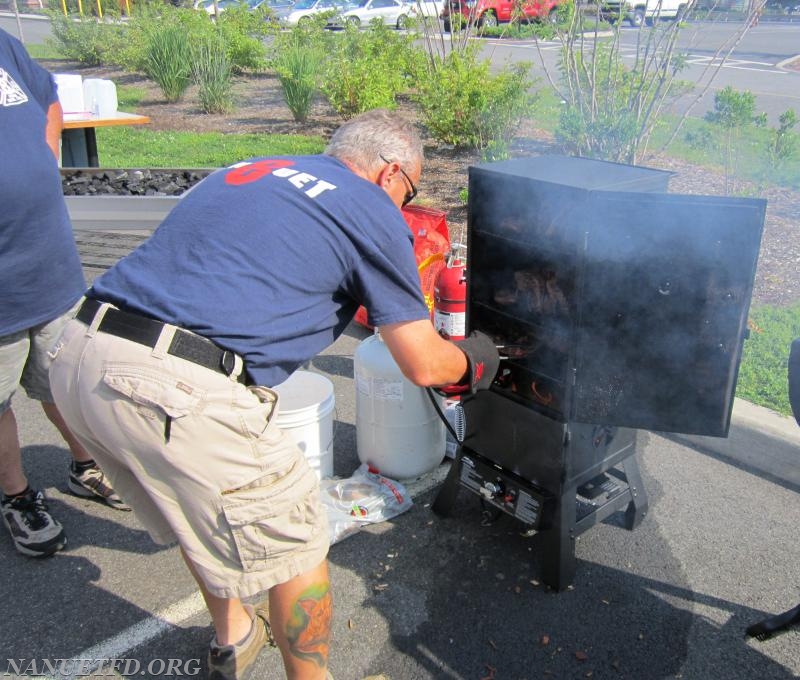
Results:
<point x="92" y="483"/>
<point x="33" y="529"/>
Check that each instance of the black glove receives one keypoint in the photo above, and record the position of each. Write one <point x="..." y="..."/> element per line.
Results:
<point x="483" y="360"/>
<point x="794" y="379"/>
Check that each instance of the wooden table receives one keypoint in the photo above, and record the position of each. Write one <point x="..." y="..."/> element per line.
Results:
<point x="78" y="140"/>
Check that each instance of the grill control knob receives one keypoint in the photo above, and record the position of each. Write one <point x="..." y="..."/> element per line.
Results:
<point x="491" y="490"/>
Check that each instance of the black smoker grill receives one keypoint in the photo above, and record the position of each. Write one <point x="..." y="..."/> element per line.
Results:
<point x="620" y="307"/>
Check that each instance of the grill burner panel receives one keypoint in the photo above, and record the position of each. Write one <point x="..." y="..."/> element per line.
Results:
<point x="618" y="307"/>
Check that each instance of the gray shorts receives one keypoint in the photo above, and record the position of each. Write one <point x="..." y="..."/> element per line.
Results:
<point x="197" y="455"/>
<point x="25" y="360"/>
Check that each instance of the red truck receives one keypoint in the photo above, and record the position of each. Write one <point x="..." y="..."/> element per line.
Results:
<point x="489" y="13"/>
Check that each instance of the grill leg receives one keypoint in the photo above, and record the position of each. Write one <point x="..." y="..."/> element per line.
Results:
<point x="637" y="508"/>
<point x="446" y="498"/>
<point x="558" y="543"/>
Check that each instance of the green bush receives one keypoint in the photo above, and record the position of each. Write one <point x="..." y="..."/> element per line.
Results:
<point x="150" y="18"/>
<point x="85" y="40"/>
<point x="298" y="65"/>
<point x="367" y="69"/>
<point x="614" y="98"/>
<point x="211" y="70"/>
<point x="242" y="31"/>
<point x="467" y="106"/>
<point x="169" y="61"/>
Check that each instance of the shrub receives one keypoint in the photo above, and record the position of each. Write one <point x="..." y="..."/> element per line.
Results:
<point x="612" y="104"/>
<point x="85" y="40"/>
<point x="733" y="112"/>
<point x="367" y="69"/>
<point x="465" y="105"/>
<point x="242" y="31"/>
<point x="150" y="19"/>
<point x="168" y="61"/>
<point x="782" y="143"/>
<point x="297" y="66"/>
<point x="211" y="70"/>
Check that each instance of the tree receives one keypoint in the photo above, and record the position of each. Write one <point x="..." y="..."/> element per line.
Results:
<point x="611" y="105"/>
<point x="733" y="111"/>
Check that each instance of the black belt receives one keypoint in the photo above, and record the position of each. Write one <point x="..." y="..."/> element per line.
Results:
<point x="184" y="345"/>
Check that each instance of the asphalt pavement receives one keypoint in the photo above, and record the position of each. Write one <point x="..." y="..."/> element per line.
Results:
<point x="421" y="597"/>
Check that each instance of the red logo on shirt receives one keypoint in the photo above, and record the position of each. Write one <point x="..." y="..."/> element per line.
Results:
<point x="251" y="172"/>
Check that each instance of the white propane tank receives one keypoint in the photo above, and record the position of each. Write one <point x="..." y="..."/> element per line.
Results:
<point x="397" y="429"/>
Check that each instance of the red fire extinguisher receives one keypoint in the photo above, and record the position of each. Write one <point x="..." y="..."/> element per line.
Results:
<point x="450" y="298"/>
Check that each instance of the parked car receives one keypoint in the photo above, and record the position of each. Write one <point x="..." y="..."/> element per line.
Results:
<point x="277" y="7"/>
<point x="490" y="13"/>
<point x="304" y="10"/>
<point x="391" y="12"/>
<point x="428" y="8"/>
<point x="638" y="12"/>
<point x="783" y="6"/>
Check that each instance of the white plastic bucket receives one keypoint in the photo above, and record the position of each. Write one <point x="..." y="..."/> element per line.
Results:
<point x="305" y="413"/>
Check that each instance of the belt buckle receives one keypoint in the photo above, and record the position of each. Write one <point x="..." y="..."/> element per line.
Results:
<point x="227" y="361"/>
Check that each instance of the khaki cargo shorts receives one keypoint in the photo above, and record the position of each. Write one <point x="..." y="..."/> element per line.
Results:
<point x="197" y="456"/>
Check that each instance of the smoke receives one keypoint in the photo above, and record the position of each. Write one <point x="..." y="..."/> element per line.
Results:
<point x="631" y="303"/>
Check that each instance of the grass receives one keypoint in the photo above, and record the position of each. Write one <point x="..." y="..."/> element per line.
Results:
<point x="43" y="51"/>
<point x="762" y="375"/>
<point x="122" y="147"/>
<point x="129" y="96"/>
<point x="751" y="162"/>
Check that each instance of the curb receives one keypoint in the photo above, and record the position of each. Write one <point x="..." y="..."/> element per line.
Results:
<point x="766" y="421"/>
<point x="35" y="17"/>
<point x="784" y="65"/>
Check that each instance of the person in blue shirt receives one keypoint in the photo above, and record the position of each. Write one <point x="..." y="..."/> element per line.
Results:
<point x="40" y="281"/>
<point x="166" y="374"/>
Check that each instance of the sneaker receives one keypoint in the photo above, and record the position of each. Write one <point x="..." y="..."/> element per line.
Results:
<point x="33" y="529"/>
<point x="234" y="662"/>
<point x="92" y="483"/>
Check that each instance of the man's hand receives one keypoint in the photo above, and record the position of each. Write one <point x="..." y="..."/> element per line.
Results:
<point x="483" y="360"/>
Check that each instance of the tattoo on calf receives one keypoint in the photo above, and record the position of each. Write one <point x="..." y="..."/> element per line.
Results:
<point x="309" y="627"/>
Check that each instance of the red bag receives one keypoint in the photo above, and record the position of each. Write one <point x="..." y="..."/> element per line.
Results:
<point x="431" y="245"/>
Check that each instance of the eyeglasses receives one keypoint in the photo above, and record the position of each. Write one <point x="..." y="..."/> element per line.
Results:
<point x="411" y="194"/>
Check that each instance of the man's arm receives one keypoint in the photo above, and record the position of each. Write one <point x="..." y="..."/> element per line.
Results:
<point x="55" y="123"/>
<point x="424" y="357"/>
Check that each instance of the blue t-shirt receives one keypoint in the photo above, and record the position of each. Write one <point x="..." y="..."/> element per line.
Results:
<point x="270" y="258"/>
<point x="40" y="269"/>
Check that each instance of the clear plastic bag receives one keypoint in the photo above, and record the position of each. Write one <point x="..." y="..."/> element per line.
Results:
<point x="365" y="498"/>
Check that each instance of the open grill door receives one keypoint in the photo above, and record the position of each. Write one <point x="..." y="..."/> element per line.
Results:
<point x="665" y="294"/>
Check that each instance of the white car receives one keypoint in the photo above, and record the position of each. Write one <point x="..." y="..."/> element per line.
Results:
<point x="304" y="10"/>
<point x="392" y="12"/>
<point x="427" y="8"/>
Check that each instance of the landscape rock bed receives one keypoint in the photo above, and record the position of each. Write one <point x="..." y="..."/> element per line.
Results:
<point x="136" y="182"/>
